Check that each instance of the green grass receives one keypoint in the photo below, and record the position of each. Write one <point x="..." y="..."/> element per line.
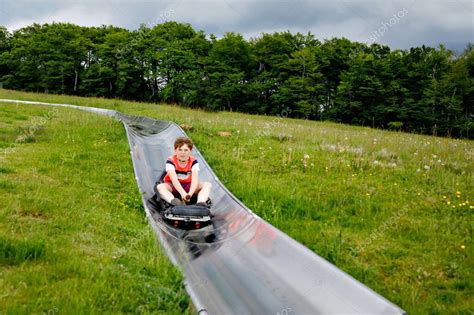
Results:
<point x="393" y="210"/>
<point x="73" y="235"/>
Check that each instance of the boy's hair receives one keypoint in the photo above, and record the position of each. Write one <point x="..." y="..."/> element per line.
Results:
<point x="180" y="141"/>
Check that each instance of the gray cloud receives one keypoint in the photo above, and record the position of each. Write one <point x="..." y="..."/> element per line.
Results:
<point x="422" y="22"/>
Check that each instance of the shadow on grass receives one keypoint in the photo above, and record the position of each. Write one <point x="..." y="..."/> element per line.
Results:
<point x="14" y="252"/>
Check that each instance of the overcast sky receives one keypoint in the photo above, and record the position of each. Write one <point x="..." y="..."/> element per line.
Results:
<point x="397" y="23"/>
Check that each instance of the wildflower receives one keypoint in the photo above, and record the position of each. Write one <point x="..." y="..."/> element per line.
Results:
<point x="426" y="167"/>
<point x="439" y="161"/>
<point x="418" y="170"/>
<point x="444" y="197"/>
<point x="448" y="202"/>
<point x="458" y="192"/>
<point x="463" y="247"/>
<point x="305" y="160"/>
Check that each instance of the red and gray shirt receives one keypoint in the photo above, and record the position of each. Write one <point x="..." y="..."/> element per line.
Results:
<point x="185" y="173"/>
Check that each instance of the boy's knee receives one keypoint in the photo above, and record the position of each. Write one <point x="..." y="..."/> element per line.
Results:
<point x="161" y="187"/>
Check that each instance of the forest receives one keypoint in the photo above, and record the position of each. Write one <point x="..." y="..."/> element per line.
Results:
<point x="422" y="89"/>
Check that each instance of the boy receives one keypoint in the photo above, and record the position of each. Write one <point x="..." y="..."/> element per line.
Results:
<point x="182" y="177"/>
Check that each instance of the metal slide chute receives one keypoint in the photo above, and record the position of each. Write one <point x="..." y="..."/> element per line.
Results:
<point x="247" y="266"/>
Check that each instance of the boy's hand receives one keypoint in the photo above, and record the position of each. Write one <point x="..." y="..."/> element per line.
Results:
<point x="183" y="196"/>
<point x="187" y="197"/>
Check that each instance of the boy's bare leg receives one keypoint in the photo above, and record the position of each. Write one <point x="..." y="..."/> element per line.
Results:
<point x="204" y="191"/>
<point x="165" y="191"/>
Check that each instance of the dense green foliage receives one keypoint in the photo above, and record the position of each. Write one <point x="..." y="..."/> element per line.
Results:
<point x="423" y="89"/>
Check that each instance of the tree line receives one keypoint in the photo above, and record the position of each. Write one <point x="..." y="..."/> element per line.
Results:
<point x="422" y="89"/>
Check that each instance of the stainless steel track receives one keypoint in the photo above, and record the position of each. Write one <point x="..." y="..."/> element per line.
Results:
<point x="249" y="266"/>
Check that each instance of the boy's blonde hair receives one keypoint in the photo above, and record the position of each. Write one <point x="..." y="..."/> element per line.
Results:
<point x="180" y="141"/>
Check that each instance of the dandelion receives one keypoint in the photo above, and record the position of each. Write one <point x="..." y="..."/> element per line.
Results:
<point x="418" y="170"/>
<point x="463" y="247"/>
<point x="448" y="202"/>
<point x="305" y="161"/>
<point x="471" y="207"/>
<point x="439" y="161"/>
<point x="426" y="167"/>
<point x="444" y="197"/>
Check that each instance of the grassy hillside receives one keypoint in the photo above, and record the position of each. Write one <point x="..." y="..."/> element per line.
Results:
<point x="393" y="210"/>
<point x="73" y="236"/>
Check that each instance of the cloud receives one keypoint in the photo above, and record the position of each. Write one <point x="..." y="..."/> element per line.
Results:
<point x="424" y="22"/>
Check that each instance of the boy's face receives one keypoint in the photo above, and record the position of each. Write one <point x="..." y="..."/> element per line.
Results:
<point x="183" y="152"/>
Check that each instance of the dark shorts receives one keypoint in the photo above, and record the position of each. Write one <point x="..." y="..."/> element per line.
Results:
<point x="186" y="187"/>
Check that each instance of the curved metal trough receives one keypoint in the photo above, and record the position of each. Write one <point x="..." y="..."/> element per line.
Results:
<point x="249" y="266"/>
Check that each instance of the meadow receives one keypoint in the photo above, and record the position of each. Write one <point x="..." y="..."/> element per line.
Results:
<point x="394" y="210"/>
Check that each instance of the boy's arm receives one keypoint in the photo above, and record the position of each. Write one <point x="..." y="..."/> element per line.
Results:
<point x="194" y="182"/>
<point x="176" y="183"/>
